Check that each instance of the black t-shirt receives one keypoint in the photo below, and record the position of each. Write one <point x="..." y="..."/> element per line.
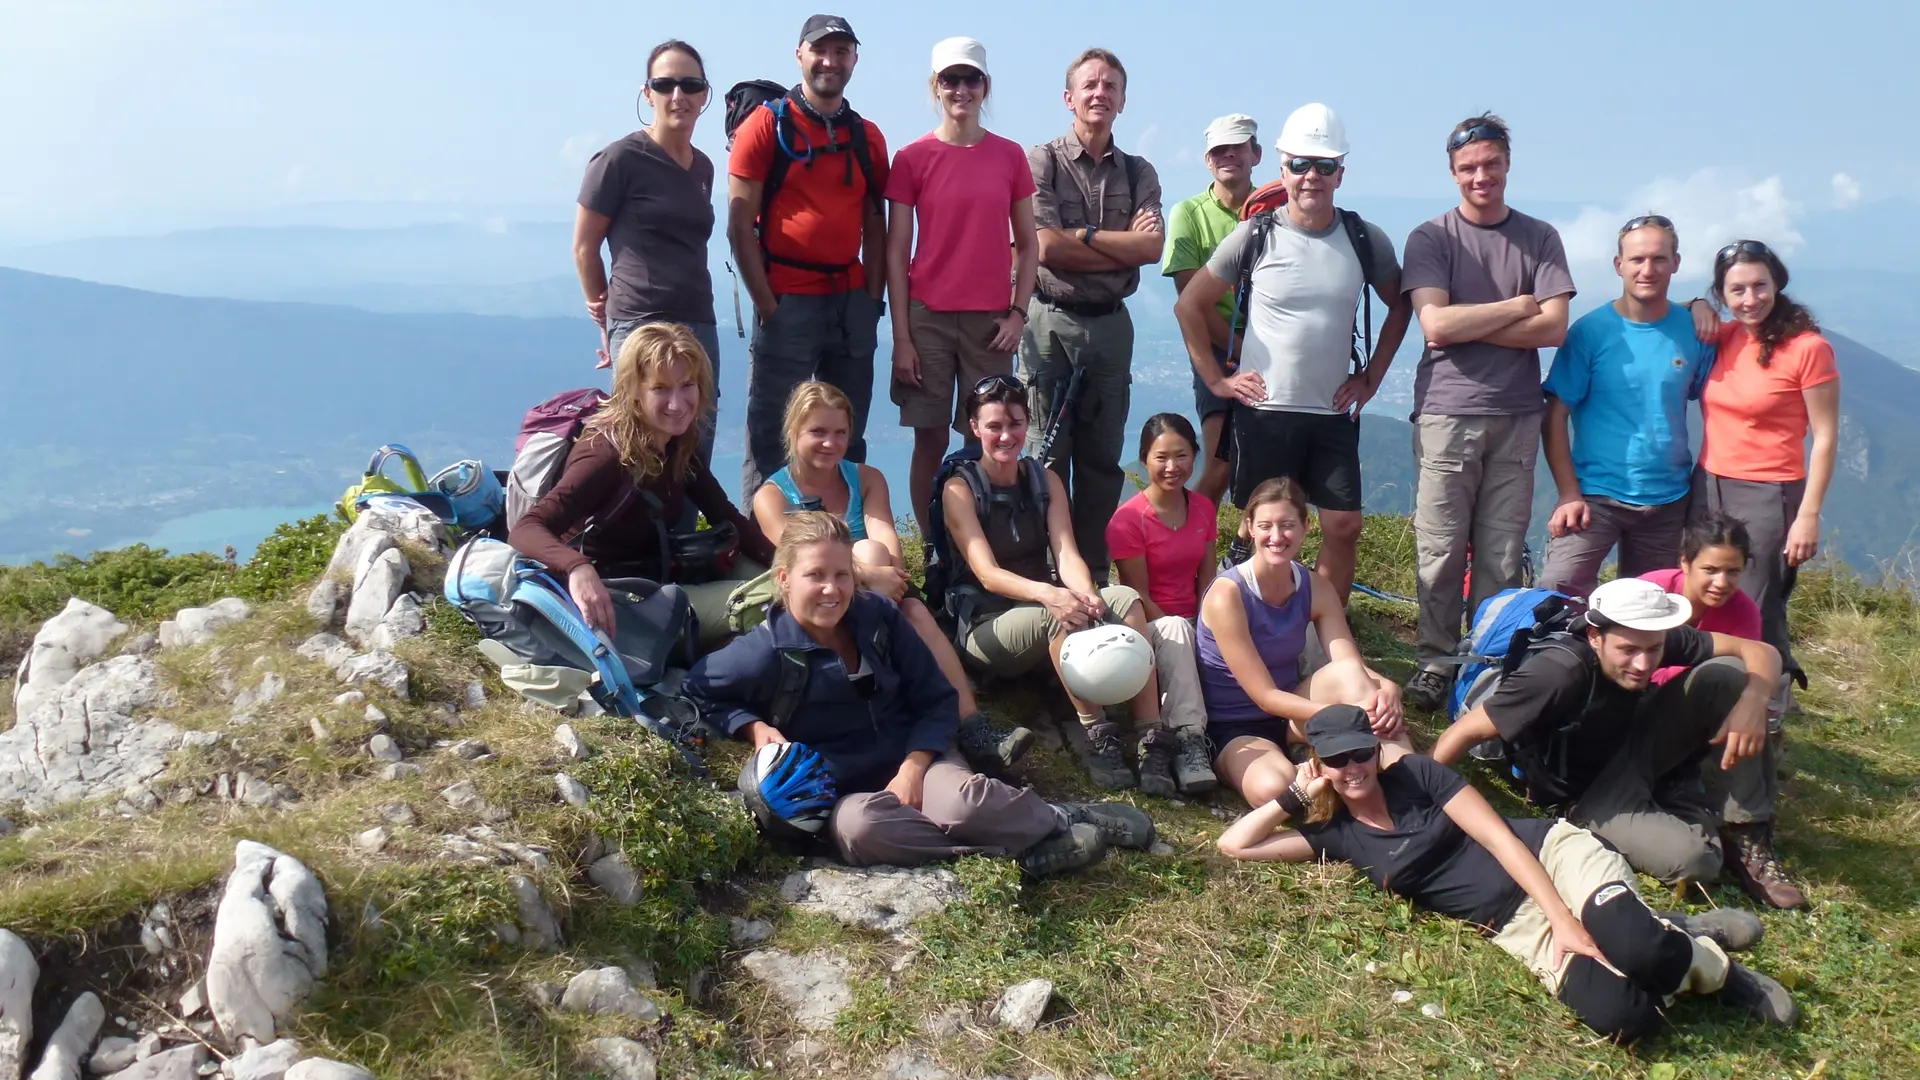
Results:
<point x="1565" y="719"/>
<point x="662" y="217"/>
<point x="1425" y="857"/>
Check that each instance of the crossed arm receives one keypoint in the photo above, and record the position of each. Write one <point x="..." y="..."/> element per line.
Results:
<point x="1517" y="323"/>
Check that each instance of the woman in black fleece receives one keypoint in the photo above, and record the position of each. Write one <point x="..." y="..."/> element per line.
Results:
<point x="630" y="473"/>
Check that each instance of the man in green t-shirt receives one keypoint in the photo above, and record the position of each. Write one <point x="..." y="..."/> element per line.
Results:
<point x="1194" y="228"/>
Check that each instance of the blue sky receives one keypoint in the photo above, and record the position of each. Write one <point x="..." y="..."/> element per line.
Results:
<point x="148" y="116"/>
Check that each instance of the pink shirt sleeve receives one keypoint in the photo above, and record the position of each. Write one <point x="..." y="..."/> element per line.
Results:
<point x="1019" y="174"/>
<point x="1126" y="539"/>
<point x="903" y="184"/>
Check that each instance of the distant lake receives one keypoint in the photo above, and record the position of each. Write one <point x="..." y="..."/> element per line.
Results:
<point x="208" y="530"/>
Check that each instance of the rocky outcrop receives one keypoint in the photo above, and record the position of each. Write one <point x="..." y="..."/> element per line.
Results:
<point x="378" y="667"/>
<point x="197" y="625"/>
<point x="269" y="942"/>
<point x="377" y="583"/>
<point x="815" y="987"/>
<point x="19" y="972"/>
<point x="88" y="742"/>
<point x="64" y="645"/>
<point x="269" y="1062"/>
<point x="179" y="1063"/>
<point x="885" y="899"/>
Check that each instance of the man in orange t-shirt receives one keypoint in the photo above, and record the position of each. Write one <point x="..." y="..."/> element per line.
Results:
<point x="814" y="258"/>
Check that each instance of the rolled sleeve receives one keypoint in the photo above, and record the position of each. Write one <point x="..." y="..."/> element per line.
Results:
<point x="1046" y="208"/>
<point x="1551" y="277"/>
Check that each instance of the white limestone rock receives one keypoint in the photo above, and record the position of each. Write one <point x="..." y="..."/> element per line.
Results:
<point x="1022" y="1006"/>
<point x="325" y="600"/>
<point x="380" y="668"/>
<point x="64" y="644"/>
<point x="179" y="1063"/>
<point x="67" y="1049"/>
<point x="621" y="1059"/>
<point x="539" y="930"/>
<point x="816" y="986"/>
<point x="883" y="898"/>
<point x="325" y="1069"/>
<point x="607" y="992"/>
<point x="19" y="973"/>
<point x="269" y="942"/>
<point x="272" y="685"/>
<point x="402" y="621"/>
<point x="269" y="1062"/>
<point x="88" y="742"/>
<point x="197" y="625"/>
<point x="569" y="743"/>
<point x="360" y="542"/>
<point x="613" y="875"/>
<point x="464" y="797"/>
<point x="572" y="792"/>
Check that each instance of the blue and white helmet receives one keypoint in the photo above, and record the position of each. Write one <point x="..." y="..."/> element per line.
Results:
<point x="790" y="789"/>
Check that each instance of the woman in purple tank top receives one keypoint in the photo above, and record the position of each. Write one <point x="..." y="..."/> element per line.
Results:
<point x="1253" y="643"/>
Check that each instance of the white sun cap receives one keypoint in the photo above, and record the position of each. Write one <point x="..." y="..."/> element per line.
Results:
<point x="1231" y="130"/>
<point x="1313" y="131"/>
<point x="960" y="52"/>
<point x="1638" y="605"/>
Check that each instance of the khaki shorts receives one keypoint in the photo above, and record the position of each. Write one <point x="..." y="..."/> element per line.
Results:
<point x="1015" y="641"/>
<point x="953" y="348"/>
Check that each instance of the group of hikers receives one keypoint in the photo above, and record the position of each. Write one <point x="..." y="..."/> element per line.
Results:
<point x="1651" y="729"/>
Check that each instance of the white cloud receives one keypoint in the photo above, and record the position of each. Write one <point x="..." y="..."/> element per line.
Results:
<point x="1144" y="144"/>
<point x="296" y="176"/>
<point x="1846" y="191"/>
<point x="1709" y="209"/>
<point x="578" y="148"/>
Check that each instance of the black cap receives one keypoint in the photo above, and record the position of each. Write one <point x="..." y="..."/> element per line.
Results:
<point x="1337" y="729"/>
<point x="825" y="26"/>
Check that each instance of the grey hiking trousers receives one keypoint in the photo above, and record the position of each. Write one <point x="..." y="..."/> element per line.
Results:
<point x="961" y="813"/>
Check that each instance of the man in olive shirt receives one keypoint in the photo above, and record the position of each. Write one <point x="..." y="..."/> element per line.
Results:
<point x="1490" y="286"/>
<point x="1098" y="213"/>
<point x="1194" y="228"/>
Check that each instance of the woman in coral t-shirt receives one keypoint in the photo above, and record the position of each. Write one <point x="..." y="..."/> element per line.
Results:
<point x="1773" y="381"/>
<point x="960" y="292"/>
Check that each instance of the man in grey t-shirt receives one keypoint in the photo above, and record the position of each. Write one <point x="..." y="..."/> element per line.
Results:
<point x="1491" y="288"/>
<point x="1298" y="391"/>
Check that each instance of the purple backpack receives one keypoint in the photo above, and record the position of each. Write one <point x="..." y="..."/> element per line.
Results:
<point x="547" y="434"/>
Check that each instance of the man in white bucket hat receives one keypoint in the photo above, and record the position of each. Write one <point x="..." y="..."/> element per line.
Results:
<point x="1592" y="737"/>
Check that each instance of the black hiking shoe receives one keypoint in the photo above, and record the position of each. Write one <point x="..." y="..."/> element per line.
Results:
<point x="1193" y="762"/>
<point x="1427" y="690"/>
<point x="1762" y="998"/>
<point x="990" y="748"/>
<point x="1730" y="928"/>
<point x="1074" y="848"/>
<point x="1119" y="824"/>
<point x="1156" y="762"/>
<point x="1105" y="759"/>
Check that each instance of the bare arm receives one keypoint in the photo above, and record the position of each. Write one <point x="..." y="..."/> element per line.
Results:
<point x="743" y="206"/>
<point x="1823" y="416"/>
<point x="1447" y="323"/>
<point x="1571" y="514"/>
<point x="1026" y="252"/>
<point x="1744" y="732"/>
<point x="906" y="359"/>
<point x="589" y="232"/>
<point x="1063" y="250"/>
<point x="1226" y="617"/>
<point x="1133" y="574"/>
<point x="1066" y="551"/>
<point x="1545" y="330"/>
<point x="1131" y="247"/>
<point x="1259" y="837"/>
<point x="1469" y="810"/>
<point x="1218" y="332"/>
<point x="1192" y="311"/>
<point x="1473" y="728"/>
<point x="874" y="244"/>
<point x="770" y="512"/>
<point x="877" y="505"/>
<point x="963" y="525"/>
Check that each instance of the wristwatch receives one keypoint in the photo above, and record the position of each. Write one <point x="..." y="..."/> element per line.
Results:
<point x="1014" y="310"/>
<point x="1086" y="234"/>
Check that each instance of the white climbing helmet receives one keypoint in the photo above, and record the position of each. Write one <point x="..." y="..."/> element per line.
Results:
<point x="1106" y="664"/>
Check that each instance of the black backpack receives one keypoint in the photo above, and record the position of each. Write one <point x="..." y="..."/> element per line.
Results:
<point x="754" y="94"/>
<point x="949" y="586"/>
<point x="790" y="686"/>
<point x="1259" y="210"/>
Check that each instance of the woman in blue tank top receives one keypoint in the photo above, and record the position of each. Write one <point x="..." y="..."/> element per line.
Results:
<point x="818" y="476"/>
<point x="1253" y="643"/>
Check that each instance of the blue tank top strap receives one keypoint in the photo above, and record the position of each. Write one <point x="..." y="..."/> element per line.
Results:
<point x="856" y="506"/>
<point x="783" y="479"/>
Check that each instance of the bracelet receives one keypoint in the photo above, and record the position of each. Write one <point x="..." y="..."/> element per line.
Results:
<point x="1016" y="310"/>
<point x="1292" y="801"/>
<point x="1086" y="234"/>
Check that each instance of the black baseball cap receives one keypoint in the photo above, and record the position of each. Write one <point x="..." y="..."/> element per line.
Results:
<point x="825" y="26"/>
<point x="1337" y="729"/>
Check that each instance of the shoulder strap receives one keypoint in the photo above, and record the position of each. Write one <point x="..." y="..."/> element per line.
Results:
<point x="782" y="478"/>
<point x="1038" y="490"/>
<point x="863" y="154"/>
<point x="783" y="133"/>
<point x="976" y="483"/>
<point x="1369" y="280"/>
<point x="1259" y="225"/>
<point x="792" y="675"/>
<point x="1132" y="167"/>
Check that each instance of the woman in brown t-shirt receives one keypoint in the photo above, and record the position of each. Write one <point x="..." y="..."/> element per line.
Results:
<point x="629" y="477"/>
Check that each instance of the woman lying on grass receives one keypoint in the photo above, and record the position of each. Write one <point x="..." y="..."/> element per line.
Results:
<point x="1418" y="830"/>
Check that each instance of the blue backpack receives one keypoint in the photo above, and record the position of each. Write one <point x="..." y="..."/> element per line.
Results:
<point x="517" y="601"/>
<point x="1509" y="624"/>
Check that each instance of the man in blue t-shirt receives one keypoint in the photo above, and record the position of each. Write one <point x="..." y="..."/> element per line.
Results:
<point x="1624" y="378"/>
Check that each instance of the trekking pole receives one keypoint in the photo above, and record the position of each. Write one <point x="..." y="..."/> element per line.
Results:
<point x="1057" y="415"/>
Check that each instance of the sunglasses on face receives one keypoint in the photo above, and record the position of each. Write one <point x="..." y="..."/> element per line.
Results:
<point x="954" y="78"/>
<point x="1659" y="221"/>
<point x="665" y="86"/>
<point x="1475" y="133"/>
<point x="1325" y="166"/>
<point x="1351" y="757"/>
<point x="996" y="382"/>
<point x="1743" y="247"/>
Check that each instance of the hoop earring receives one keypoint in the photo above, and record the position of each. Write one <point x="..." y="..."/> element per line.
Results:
<point x="637" y="99"/>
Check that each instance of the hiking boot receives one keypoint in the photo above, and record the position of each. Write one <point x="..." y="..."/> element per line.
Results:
<point x="1763" y="998"/>
<point x="1427" y="690"/>
<point x="1193" y="762"/>
<point x="1750" y="860"/>
<point x="1156" y="762"/>
<point x="1119" y="824"/>
<point x="1073" y="848"/>
<point x="990" y="748"/>
<point x="1106" y="761"/>
<point x="1730" y="928"/>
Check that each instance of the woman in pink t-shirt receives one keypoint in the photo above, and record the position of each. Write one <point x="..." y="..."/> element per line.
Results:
<point x="1714" y="552"/>
<point x="960" y="292"/>
<point x="1161" y="541"/>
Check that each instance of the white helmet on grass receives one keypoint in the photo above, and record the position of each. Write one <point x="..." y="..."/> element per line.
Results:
<point x="1106" y="664"/>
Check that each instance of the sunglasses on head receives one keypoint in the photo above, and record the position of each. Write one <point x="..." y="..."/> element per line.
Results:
<point x="665" y="85"/>
<point x="954" y="78"/>
<point x="998" y="382"/>
<point x="1475" y="133"/>
<point x="1325" y="166"/>
<point x="1659" y="221"/>
<point x="1743" y="247"/>
<point x="1351" y="757"/>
